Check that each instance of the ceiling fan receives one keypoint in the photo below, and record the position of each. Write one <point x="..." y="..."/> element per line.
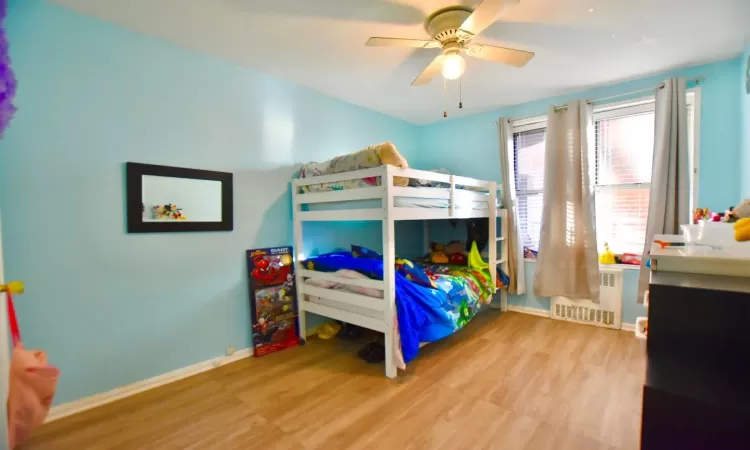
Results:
<point x="452" y="29"/>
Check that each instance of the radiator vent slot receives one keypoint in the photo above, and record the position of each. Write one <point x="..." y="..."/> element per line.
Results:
<point x="607" y="279"/>
<point x="607" y="313"/>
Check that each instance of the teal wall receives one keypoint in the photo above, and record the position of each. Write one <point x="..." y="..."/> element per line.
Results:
<point x="112" y="308"/>
<point x="745" y="124"/>
<point x="469" y="146"/>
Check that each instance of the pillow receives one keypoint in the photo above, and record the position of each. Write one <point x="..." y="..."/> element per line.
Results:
<point x="364" y="252"/>
<point x="414" y="273"/>
<point x="389" y="155"/>
<point x="353" y="274"/>
<point x="346" y="273"/>
<point x="325" y="284"/>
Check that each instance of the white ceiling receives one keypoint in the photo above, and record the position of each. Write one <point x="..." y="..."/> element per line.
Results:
<point x="320" y="44"/>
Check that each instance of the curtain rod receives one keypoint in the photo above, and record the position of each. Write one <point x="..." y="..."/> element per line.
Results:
<point x="695" y="80"/>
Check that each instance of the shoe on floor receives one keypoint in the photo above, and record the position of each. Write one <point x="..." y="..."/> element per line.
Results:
<point x="373" y="353"/>
<point x="351" y="332"/>
<point x="329" y="330"/>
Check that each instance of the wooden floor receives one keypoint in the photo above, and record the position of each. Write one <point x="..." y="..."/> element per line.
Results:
<point x="509" y="381"/>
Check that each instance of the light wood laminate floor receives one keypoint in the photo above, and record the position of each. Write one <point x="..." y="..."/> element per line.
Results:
<point x="507" y="381"/>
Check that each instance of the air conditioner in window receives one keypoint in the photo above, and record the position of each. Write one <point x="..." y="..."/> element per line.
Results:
<point x="607" y="313"/>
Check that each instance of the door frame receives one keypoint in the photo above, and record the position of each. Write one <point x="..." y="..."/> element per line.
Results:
<point x="4" y="353"/>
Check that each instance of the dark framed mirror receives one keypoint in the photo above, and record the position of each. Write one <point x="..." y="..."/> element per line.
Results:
<point x="164" y="199"/>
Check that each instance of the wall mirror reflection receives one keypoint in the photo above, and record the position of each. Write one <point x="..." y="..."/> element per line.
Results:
<point x="170" y="199"/>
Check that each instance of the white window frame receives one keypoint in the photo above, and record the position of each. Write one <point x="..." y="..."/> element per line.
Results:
<point x="648" y="104"/>
<point x="694" y="147"/>
<point x="630" y="107"/>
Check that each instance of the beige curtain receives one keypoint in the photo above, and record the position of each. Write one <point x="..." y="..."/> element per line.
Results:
<point x="668" y="206"/>
<point x="568" y="264"/>
<point x="516" y="271"/>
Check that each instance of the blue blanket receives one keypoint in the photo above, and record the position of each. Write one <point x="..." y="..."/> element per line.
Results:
<point x="425" y="314"/>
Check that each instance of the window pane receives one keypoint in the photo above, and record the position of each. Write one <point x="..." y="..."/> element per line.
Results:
<point x="621" y="216"/>
<point x="529" y="173"/>
<point x="530" y="218"/>
<point x="625" y="149"/>
<point x="529" y="159"/>
<point x="624" y="156"/>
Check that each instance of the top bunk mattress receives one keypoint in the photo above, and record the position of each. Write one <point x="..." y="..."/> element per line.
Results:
<point x="462" y="199"/>
<point x="379" y="155"/>
<point x="369" y="157"/>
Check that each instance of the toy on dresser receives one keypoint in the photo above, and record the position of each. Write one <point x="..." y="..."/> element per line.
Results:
<point x="742" y="230"/>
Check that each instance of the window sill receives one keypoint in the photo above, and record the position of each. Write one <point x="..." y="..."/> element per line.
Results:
<point x="602" y="266"/>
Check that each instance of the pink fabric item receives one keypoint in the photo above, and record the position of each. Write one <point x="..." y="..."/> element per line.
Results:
<point x="33" y="383"/>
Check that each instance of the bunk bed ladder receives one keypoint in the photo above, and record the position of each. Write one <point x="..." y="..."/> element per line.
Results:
<point x="498" y="261"/>
<point x="503" y="261"/>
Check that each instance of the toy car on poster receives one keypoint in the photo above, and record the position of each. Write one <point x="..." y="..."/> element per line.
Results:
<point x="272" y="269"/>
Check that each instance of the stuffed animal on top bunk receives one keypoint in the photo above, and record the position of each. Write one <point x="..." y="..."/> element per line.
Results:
<point x="448" y="254"/>
<point x="437" y="254"/>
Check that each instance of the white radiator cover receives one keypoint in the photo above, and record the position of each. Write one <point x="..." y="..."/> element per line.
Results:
<point x="607" y="313"/>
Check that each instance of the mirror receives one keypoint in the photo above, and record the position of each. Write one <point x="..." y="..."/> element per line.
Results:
<point x="169" y="199"/>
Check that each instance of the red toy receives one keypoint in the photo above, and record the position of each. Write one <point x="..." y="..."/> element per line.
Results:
<point x="630" y="258"/>
<point x="270" y="269"/>
<point x="458" y="259"/>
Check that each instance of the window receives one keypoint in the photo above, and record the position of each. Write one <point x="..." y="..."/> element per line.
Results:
<point x="623" y="154"/>
<point x="528" y="157"/>
<point x="621" y="159"/>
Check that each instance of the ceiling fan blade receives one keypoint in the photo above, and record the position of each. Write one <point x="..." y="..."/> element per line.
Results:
<point x="486" y="13"/>
<point x="429" y="72"/>
<point x="398" y="42"/>
<point x="510" y="56"/>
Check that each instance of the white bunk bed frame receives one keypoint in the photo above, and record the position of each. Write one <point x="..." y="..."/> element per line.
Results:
<point x="376" y="313"/>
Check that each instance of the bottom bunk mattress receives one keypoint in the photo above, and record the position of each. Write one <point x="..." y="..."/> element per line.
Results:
<point x="432" y="302"/>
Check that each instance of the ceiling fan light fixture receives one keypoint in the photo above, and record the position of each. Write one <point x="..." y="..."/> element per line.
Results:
<point x="453" y="66"/>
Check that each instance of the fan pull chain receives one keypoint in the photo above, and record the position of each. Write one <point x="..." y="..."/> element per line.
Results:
<point x="445" y="110"/>
<point x="460" y="94"/>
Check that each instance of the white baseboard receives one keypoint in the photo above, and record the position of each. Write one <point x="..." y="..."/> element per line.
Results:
<point x="627" y="327"/>
<point x="86" y="403"/>
<point x="528" y="310"/>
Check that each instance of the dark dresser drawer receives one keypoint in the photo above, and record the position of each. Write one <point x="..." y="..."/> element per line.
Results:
<point x="697" y="390"/>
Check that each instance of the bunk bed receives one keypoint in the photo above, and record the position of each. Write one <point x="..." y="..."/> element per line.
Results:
<point x="391" y="199"/>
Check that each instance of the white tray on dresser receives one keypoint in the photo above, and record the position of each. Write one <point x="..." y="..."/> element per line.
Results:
<point x="732" y="260"/>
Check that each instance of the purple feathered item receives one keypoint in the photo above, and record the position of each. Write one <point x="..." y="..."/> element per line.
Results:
<point x="7" y="78"/>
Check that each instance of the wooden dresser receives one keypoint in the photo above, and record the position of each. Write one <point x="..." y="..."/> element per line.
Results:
<point x="697" y="389"/>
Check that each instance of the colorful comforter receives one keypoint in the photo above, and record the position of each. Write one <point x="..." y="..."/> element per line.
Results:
<point x="425" y="313"/>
